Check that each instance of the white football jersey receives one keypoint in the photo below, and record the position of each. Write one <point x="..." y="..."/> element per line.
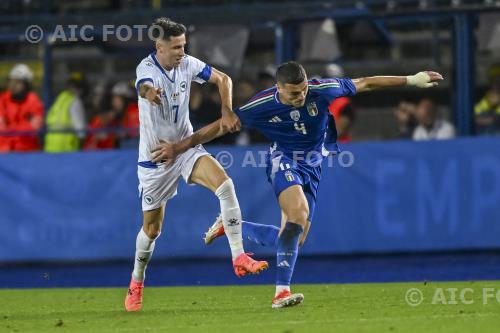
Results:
<point x="170" y="120"/>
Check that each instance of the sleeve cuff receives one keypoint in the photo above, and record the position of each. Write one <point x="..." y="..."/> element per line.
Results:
<point x="141" y="81"/>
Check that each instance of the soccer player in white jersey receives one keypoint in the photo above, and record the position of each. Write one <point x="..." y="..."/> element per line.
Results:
<point x="163" y="83"/>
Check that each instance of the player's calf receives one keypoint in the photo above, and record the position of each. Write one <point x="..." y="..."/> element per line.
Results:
<point x="304" y="234"/>
<point x="231" y="216"/>
<point x="286" y="256"/>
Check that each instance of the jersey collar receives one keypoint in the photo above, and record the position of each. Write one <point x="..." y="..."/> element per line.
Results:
<point x="277" y="97"/>
<point x="153" y="56"/>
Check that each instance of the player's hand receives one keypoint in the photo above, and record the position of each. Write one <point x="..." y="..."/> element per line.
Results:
<point x="153" y="95"/>
<point x="165" y="152"/>
<point x="424" y="79"/>
<point x="230" y="122"/>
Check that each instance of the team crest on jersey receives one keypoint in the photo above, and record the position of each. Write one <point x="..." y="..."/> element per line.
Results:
<point x="289" y="176"/>
<point x="295" y="115"/>
<point x="183" y="86"/>
<point x="312" y="109"/>
<point x="148" y="199"/>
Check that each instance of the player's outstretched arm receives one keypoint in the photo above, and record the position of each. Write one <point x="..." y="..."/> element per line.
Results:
<point x="168" y="151"/>
<point x="425" y="79"/>
<point x="230" y="120"/>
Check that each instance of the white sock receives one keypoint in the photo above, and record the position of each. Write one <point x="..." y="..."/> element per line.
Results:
<point x="144" y="247"/>
<point x="279" y="289"/>
<point x="231" y="216"/>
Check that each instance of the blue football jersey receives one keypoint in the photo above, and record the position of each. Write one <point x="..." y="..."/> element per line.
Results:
<point x="299" y="133"/>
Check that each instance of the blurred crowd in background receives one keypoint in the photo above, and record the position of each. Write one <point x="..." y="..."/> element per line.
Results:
<point x="70" y="92"/>
<point x="105" y="115"/>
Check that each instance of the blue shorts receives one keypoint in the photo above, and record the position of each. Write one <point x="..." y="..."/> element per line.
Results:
<point x="282" y="173"/>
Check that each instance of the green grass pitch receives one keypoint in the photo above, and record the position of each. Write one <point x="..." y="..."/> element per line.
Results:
<point x="326" y="308"/>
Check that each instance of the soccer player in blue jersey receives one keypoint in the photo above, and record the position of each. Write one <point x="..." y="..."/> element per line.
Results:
<point x="294" y="116"/>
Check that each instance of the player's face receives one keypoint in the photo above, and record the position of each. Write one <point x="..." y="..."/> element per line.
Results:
<point x="170" y="52"/>
<point x="293" y="94"/>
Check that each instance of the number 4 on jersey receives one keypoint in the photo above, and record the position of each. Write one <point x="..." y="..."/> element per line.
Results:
<point x="300" y="128"/>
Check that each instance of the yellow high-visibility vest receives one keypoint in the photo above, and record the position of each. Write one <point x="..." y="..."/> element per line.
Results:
<point x="59" y="118"/>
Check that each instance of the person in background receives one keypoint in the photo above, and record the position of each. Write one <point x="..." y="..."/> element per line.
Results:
<point x="342" y="110"/>
<point x="104" y="127"/>
<point x="21" y="111"/>
<point x="201" y="108"/>
<point x="99" y="99"/>
<point x="130" y="122"/>
<point x="405" y="118"/>
<point x="487" y="110"/>
<point x="244" y="90"/>
<point x="265" y="78"/>
<point x="344" y="117"/>
<point x="430" y="125"/>
<point x="66" y="118"/>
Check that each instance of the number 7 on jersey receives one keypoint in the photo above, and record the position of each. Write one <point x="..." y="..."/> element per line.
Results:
<point x="175" y="110"/>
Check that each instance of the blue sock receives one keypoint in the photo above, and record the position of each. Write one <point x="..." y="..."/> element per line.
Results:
<point x="288" y="248"/>
<point x="262" y="234"/>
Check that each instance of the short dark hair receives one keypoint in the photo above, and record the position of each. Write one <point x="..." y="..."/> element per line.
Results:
<point x="164" y="28"/>
<point x="290" y="72"/>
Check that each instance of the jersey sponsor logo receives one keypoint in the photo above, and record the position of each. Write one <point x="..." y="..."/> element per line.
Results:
<point x="284" y="263"/>
<point x="183" y="86"/>
<point x="312" y="109"/>
<point x="289" y="176"/>
<point x="295" y="115"/>
<point x="233" y="222"/>
<point x="148" y="199"/>
<point x="275" y="119"/>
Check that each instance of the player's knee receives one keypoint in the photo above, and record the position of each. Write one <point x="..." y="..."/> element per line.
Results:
<point x="153" y="231"/>
<point x="153" y="234"/>
<point x="225" y="189"/>
<point x="298" y="215"/>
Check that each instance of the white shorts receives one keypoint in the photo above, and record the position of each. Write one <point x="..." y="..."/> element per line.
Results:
<point x="157" y="185"/>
